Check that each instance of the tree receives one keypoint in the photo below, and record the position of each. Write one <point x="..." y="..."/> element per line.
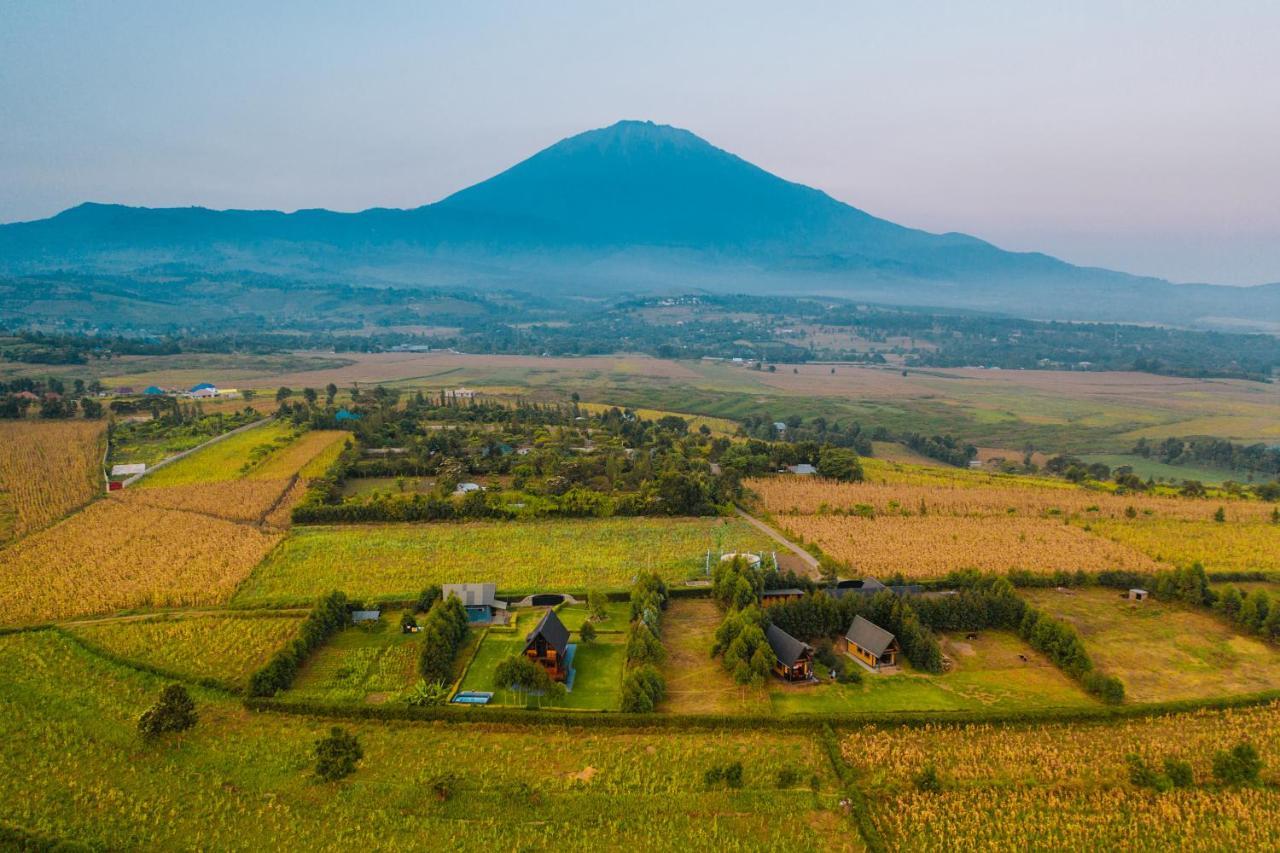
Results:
<point x="1221" y="515"/>
<point x="310" y="395"/>
<point x="173" y="712"/>
<point x="283" y="394"/>
<point x="597" y="605"/>
<point x="330" y="392"/>
<point x="587" y="633"/>
<point x="838" y="463"/>
<point x="522" y="676"/>
<point x="927" y="780"/>
<point x="1238" y="766"/>
<point x="337" y="755"/>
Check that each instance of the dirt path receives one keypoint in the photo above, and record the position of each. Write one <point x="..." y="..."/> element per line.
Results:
<point x="810" y="561"/>
<point x="160" y="614"/>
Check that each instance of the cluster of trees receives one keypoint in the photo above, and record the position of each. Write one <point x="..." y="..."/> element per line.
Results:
<point x="1240" y="765"/>
<point x="944" y="448"/>
<point x="331" y="613"/>
<point x="1062" y="645"/>
<point x="643" y="686"/>
<point x="1216" y="452"/>
<point x="444" y="630"/>
<point x="525" y="677"/>
<point x="815" y="431"/>
<point x="1254" y="611"/>
<point x="50" y="398"/>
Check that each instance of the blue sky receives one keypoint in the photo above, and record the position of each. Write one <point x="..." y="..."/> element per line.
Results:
<point x="1138" y="136"/>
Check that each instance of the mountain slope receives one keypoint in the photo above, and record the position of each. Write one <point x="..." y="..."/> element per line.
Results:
<point x="631" y="206"/>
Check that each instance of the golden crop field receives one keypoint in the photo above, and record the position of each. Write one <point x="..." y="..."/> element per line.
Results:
<point x="806" y="495"/>
<point x="1072" y="819"/>
<point x="310" y="455"/>
<point x="225" y="647"/>
<point x="1064" y="786"/>
<point x="1220" y="547"/>
<point x="931" y="546"/>
<point x="47" y="469"/>
<point x="118" y="554"/>
<point x="885" y="472"/>
<point x="248" y="499"/>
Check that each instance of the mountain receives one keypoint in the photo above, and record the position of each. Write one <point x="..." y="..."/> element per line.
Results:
<point x="634" y="206"/>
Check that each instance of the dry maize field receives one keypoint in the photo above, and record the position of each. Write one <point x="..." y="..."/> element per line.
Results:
<point x="808" y="495"/>
<point x="1219" y="547"/>
<point x="47" y="469"/>
<point x="930" y="547"/>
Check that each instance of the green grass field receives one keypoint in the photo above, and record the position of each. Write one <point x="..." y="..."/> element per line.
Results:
<point x="221" y="461"/>
<point x="242" y="780"/>
<point x="1164" y="651"/>
<point x="396" y="561"/>
<point x="598" y="665"/>
<point x="987" y="674"/>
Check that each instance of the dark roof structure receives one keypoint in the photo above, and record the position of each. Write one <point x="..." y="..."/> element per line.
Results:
<point x="788" y="591"/>
<point x="474" y="594"/>
<point x="863" y="586"/>
<point x="551" y="629"/>
<point x="868" y="635"/>
<point x="785" y="647"/>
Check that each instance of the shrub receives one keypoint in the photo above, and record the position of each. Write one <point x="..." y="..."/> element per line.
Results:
<point x="587" y="633"/>
<point x="927" y="780"/>
<point x="1179" y="772"/>
<point x="337" y="755"/>
<point x="729" y="775"/>
<point x="788" y="777"/>
<point x="407" y="622"/>
<point x="1240" y="765"/>
<point x="173" y="712"/>
<point x="1141" y="775"/>
<point x="427" y="598"/>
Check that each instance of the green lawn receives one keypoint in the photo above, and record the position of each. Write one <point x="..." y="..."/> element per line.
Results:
<point x="597" y="665"/>
<point x="395" y="561"/>
<point x="987" y="674"/>
<point x="573" y="615"/>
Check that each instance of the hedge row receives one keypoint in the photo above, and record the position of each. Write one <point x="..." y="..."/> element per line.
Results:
<point x="106" y="654"/>
<point x="331" y="614"/>
<point x="444" y="629"/>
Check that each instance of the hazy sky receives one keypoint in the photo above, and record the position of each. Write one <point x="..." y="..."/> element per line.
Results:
<point x="1139" y="136"/>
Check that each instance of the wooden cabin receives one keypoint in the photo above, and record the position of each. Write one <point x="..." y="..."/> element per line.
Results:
<point x="871" y="645"/>
<point x="547" y="644"/>
<point x="793" y="659"/>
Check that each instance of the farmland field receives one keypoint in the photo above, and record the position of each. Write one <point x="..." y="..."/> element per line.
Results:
<point x="696" y="682"/>
<point x="366" y="663"/>
<point x="47" y="469"/>
<point x="927" y="547"/>
<point x="225" y="648"/>
<point x="1164" y="651"/>
<point x="117" y="554"/>
<point x="224" y="460"/>
<point x="244" y="780"/>
<point x="1220" y="547"/>
<point x="396" y="561"/>
<point x="1066" y="785"/>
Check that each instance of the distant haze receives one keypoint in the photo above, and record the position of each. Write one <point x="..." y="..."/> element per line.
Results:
<point x="1136" y="136"/>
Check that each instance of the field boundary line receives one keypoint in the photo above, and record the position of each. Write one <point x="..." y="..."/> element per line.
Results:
<point x="90" y="647"/>
<point x="184" y="454"/>
<point x="857" y="799"/>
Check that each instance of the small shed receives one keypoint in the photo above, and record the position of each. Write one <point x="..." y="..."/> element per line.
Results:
<point x="1136" y="594"/>
<point x="871" y="645"/>
<point x="548" y="645"/>
<point x="128" y="469"/>
<point x="804" y="469"/>
<point x="466" y="488"/>
<point x="794" y="659"/>
<point x="154" y="391"/>
<point x="358" y="616"/>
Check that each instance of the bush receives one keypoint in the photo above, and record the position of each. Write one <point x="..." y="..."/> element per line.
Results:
<point x="587" y="633"/>
<point x="927" y="780"/>
<point x="1141" y="775"/>
<point x="729" y="775"/>
<point x="173" y="712"/>
<point x="427" y="598"/>
<point x="788" y="777"/>
<point x="337" y="755"/>
<point x="1179" y="773"/>
<point x="407" y="622"/>
<point x="1241" y="765"/>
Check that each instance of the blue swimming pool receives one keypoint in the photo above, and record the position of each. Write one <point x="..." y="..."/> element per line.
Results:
<point x="472" y="697"/>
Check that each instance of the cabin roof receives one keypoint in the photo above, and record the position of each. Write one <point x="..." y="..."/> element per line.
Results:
<point x="870" y="636"/>
<point x="551" y="629"/>
<point x="474" y="594"/>
<point x="791" y="590"/>
<point x="785" y="647"/>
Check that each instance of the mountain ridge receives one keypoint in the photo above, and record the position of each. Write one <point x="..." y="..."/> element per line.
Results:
<point x="613" y="209"/>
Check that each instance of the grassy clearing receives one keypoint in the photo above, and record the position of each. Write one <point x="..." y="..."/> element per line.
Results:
<point x="718" y="426"/>
<point x="228" y="648"/>
<point x="242" y="780"/>
<point x="1164" y="651"/>
<point x="598" y="665"/>
<point x="696" y="682"/>
<point x="1221" y="547"/>
<point x="988" y="674"/>
<point x="396" y="561"/>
